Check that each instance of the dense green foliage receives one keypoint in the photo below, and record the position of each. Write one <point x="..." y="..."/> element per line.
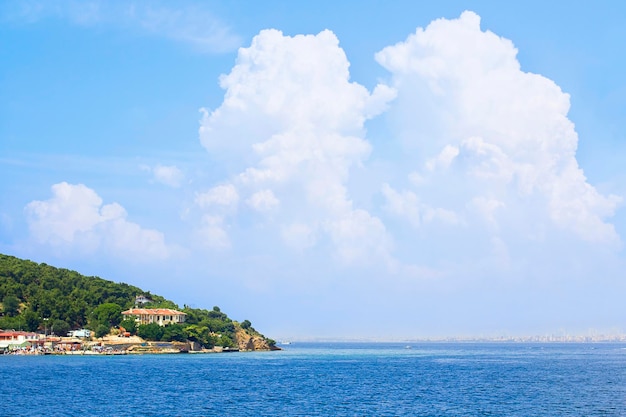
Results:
<point x="209" y="327"/>
<point x="108" y="314"/>
<point x="129" y="325"/>
<point x="59" y="327"/>
<point x="43" y="291"/>
<point x="32" y="292"/>
<point x="150" y="331"/>
<point x="206" y="327"/>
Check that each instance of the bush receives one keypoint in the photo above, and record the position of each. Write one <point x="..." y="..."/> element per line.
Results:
<point x="102" y="330"/>
<point x="174" y="332"/>
<point x="225" y="341"/>
<point x="150" y="331"/>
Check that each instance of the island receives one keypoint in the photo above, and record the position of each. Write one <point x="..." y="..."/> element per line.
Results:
<point x="49" y="310"/>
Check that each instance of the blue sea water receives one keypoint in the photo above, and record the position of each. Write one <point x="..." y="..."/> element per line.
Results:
<point x="316" y="379"/>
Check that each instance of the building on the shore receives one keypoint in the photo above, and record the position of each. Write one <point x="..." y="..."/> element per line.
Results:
<point x="12" y="338"/>
<point x="160" y="316"/>
<point x="80" y="333"/>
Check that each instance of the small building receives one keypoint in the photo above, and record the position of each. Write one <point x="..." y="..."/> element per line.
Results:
<point x="12" y="338"/>
<point x="142" y="299"/>
<point x="80" y="333"/>
<point x="160" y="316"/>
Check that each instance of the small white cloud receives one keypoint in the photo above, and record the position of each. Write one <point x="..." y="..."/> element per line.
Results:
<point x="194" y="25"/>
<point x="299" y="236"/>
<point x="168" y="175"/>
<point x="222" y="195"/>
<point x="402" y="204"/>
<point x="417" y="179"/>
<point x="407" y="205"/>
<point x="487" y="161"/>
<point x="444" y="159"/>
<point x="487" y="208"/>
<point x="72" y="209"/>
<point x="75" y="217"/>
<point x="213" y="232"/>
<point x="263" y="200"/>
<point x="360" y="237"/>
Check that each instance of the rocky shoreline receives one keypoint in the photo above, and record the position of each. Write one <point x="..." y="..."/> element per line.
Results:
<point x="133" y="345"/>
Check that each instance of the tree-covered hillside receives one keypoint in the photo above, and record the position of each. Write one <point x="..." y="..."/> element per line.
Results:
<point x="41" y="297"/>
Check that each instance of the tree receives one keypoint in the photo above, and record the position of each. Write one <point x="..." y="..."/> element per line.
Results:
<point x="31" y="321"/>
<point x="11" y="323"/>
<point x="150" y="331"/>
<point x="109" y="314"/>
<point x="174" y="332"/>
<point x="225" y="341"/>
<point x="102" y="330"/>
<point x="60" y="327"/>
<point x="246" y="324"/>
<point x="201" y="335"/>
<point x="129" y="325"/>
<point x="196" y="333"/>
<point x="10" y="305"/>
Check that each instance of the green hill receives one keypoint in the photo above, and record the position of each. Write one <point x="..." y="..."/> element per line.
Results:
<point x="40" y="297"/>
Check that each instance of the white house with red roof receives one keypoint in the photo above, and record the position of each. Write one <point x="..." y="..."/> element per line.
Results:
<point x="160" y="316"/>
<point x="16" y="338"/>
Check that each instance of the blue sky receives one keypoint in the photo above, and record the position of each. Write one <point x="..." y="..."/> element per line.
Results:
<point x="362" y="169"/>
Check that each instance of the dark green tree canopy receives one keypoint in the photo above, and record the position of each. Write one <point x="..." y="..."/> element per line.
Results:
<point x="129" y="325"/>
<point x="10" y="305"/>
<point x="109" y="314"/>
<point x="60" y="327"/>
<point x="150" y="331"/>
<point x="58" y="294"/>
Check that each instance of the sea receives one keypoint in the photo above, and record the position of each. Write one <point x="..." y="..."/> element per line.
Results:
<point x="326" y="379"/>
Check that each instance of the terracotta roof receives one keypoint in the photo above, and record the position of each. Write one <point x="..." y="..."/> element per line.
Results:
<point x="155" y="311"/>
<point x="17" y="333"/>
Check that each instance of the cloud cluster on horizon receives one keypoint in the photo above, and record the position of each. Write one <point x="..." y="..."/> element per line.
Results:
<point x="486" y="157"/>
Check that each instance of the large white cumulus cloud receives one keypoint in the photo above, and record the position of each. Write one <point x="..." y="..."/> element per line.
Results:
<point x="74" y="217"/>
<point x="296" y="123"/>
<point x="479" y="129"/>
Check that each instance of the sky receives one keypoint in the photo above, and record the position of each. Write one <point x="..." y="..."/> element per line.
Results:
<point x="339" y="170"/>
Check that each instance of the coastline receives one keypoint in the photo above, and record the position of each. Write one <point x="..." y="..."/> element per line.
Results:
<point x="115" y="345"/>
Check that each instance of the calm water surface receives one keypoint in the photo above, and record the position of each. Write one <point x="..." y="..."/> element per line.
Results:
<point x="326" y="380"/>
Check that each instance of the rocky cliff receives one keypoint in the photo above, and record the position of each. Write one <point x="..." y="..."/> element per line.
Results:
<point x="249" y="339"/>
